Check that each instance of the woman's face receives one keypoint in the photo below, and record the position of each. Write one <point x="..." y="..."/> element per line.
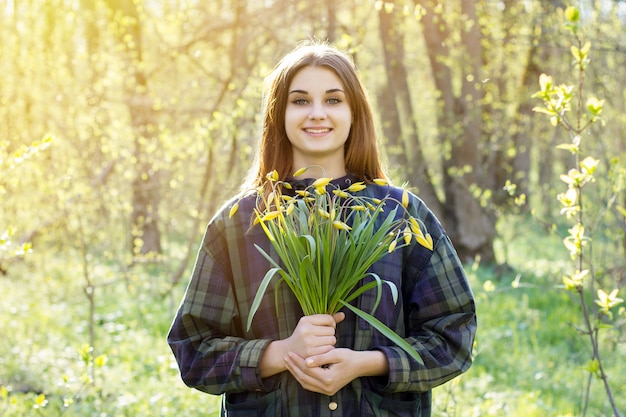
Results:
<point x="318" y="119"/>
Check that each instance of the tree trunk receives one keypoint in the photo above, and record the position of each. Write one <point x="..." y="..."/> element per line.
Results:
<point x="470" y="226"/>
<point x="331" y="8"/>
<point x="145" y="234"/>
<point x="404" y="149"/>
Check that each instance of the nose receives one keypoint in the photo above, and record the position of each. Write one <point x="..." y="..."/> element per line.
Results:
<point x="317" y="112"/>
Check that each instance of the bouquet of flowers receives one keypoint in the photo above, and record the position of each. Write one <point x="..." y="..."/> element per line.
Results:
<point x="327" y="238"/>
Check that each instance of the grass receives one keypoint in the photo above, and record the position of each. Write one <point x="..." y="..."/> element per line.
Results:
<point x="529" y="360"/>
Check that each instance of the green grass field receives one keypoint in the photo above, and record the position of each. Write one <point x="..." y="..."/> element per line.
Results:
<point x="529" y="359"/>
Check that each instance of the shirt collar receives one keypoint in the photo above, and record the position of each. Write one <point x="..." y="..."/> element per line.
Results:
<point x="341" y="182"/>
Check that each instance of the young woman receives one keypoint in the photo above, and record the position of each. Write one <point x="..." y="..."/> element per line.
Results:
<point x="317" y="114"/>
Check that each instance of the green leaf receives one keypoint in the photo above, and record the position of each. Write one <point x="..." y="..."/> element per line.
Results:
<point x="573" y="148"/>
<point x="312" y="246"/>
<point x="266" y="256"/>
<point x="260" y="293"/>
<point x="572" y="14"/>
<point x="386" y="331"/>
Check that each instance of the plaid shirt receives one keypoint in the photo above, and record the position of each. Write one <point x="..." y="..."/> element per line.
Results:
<point x="215" y="353"/>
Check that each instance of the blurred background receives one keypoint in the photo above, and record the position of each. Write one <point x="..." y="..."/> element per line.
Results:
<point x="125" y="124"/>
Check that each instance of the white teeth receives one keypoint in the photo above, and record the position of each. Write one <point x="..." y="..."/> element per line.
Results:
<point x="317" y="131"/>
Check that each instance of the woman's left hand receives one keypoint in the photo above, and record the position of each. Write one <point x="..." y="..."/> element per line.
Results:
<point x="331" y="371"/>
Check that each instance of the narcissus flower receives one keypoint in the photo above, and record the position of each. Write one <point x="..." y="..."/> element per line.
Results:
<point x="299" y="172"/>
<point x="233" y="210"/>
<point x="407" y="235"/>
<point x="321" y="182"/>
<point x="271" y="215"/>
<point x="341" y="225"/>
<point x="405" y="198"/>
<point x="425" y="240"/>
<point x="357" y="186"/>
<point x="323" y="213"/>
<point x="341" y="193"/>
<point x="272" y="176"/>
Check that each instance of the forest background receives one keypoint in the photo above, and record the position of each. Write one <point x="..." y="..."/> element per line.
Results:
<point x="124" y="125"/>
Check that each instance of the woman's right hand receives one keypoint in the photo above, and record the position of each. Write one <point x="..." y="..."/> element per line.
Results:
<point x="314" y="335"/>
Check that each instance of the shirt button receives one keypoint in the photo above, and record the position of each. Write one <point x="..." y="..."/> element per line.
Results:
<point x="332" y="405"/>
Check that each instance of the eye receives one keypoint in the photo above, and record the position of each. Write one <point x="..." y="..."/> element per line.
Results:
<point x="300" y="101"/>
<point x="334" y="100"/>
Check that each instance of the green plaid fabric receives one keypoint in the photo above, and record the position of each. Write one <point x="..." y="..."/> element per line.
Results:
<point x="215" y="353"/>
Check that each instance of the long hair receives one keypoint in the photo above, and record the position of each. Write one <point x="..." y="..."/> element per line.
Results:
<point x="275" y="151"/>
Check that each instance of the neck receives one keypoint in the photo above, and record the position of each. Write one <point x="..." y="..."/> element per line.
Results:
<point x="319" y="169"/>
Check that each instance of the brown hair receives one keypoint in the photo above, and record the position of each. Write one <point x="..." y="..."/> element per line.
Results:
<point x="275" y="152"/>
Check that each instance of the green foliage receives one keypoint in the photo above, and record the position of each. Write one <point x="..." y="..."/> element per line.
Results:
<point x="557" y="101"/>
<point x="529" y="361"/>
<point x="12" y="167"/>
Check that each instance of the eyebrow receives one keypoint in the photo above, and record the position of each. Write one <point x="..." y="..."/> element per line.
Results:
<point x="332" y="90"/>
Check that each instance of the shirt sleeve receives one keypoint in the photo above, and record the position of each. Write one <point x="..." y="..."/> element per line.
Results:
<point x="440" y="318"/>
<point x="201" y="337"/>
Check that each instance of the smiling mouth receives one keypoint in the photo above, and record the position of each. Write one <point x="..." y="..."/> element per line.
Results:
<point x="317" y="131"/>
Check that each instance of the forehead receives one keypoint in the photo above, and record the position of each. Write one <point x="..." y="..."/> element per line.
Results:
<point x="312" y="77"/>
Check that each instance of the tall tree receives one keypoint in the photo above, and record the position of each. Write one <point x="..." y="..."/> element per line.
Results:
<point x="471" y="227"/>
<point x="145" y="233"/>
<point x="404" y="149"/>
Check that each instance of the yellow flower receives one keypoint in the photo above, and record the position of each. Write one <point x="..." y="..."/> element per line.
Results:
<point x="575" y="281"/>
<point x="272" y="176"/>
<point x="425" y="241"/>
<point x="405" y="198"/>
<point x="607" y="301"/>
<point x="259" y="219"/>
<point x="303" y="193"/>
<point x="271" y="215"/>
<point x="341" y="194"/>
<point x="358" y="208"/>
<point x="415" y="227"/>
<point x="299" y="172"/>
<point x="392" y="246"/>
<point x="407" y="235"/>
<point x="233" y="210"/>
<point x="381" y="181"/>
<point x="323" y="213"/>
<point x="341" y="225"/>
<point x="357" y="186"/>
<point x="321" y="182"/>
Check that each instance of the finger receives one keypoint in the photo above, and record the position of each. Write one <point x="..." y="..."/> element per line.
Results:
<point x="320" y="320"/>
<point x="295" y="359"/>
<point x="339" y="317"/>
<point x="317" y="361"/>
<point x="296" y="366"/>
